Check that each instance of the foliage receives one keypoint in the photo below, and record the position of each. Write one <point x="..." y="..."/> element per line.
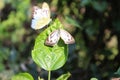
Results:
<point x="14" y="38"/>
<point x="64" y="76"/>
<point x="93" y="79"/>
<point x="27" y="76"/>
<point x="22" y="76"/>
<point x="97" y="36"/>
<point x="49" y="58"/>
<point x="93" y="23"/>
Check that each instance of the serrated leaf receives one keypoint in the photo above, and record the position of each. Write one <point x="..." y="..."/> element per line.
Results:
<point x="64" y="76"/>
<point x="49" y="58"/>
<point x="22" y="76"/>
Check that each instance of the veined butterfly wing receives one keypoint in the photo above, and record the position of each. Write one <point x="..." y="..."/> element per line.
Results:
<point x="36" y="16"/>
<point x="36" y="12"/>
<point x="53" y="38"/>
<point x="46" y="10"/>
<point x="66" y="37"/>
<point x="41" y="16"/>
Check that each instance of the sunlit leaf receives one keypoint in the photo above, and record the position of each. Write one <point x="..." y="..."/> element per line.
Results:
<point x="22" y="76"/>
<point x="49" y="58"/>
<point x="2" y="4"/>
<point x="93" y="79"/>
<point x="64" y="76"/>
<point x="40" y="78"/>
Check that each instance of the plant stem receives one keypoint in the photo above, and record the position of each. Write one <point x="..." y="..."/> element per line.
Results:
<point x="49" y="75"/>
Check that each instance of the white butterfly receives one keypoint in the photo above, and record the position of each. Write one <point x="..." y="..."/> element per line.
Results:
<point x="41" y="16"/>
<point x="54" y="37"/>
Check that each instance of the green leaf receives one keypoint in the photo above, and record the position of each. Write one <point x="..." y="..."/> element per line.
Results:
<point x="2" y="4"/>
<point x="40" y="78"/>
<point x="85" y="2"/>
<point x="117" y="73"/>
<point x="1" y="66"/>
<point x="64" y="76"/>
<point x="73" y="22"/>
<point x="49" y="58"/>
<point x="22" y="76"/>
<point x="93" y="79"/>
<point x="99" y="6"/>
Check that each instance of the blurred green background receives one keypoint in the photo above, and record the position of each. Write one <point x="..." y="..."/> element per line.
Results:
<point x="95" y="25"/>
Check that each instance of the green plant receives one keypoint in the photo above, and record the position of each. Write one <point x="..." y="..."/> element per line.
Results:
<point x="50" y="58"/>
<point x="94" y="24"/>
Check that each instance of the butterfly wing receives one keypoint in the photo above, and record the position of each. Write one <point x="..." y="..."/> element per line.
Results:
<point x="36" y="14"/>
<point x="41" y="16"/>
<point x="53" y="38"/>
<point x="66" y="37"/>
<point x="45" y="15"/>
<point x="46" y="10"/>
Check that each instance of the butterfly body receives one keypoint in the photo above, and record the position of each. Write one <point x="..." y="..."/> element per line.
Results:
<point x="54" y="37"/>
<point x="41" y="16"/>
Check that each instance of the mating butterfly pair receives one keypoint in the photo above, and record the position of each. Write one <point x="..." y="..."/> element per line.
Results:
<point x="41" y="17"/>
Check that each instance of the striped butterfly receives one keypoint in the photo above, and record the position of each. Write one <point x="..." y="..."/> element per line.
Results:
<point x="41" y="16"/>
<point x="54" y="37"/>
